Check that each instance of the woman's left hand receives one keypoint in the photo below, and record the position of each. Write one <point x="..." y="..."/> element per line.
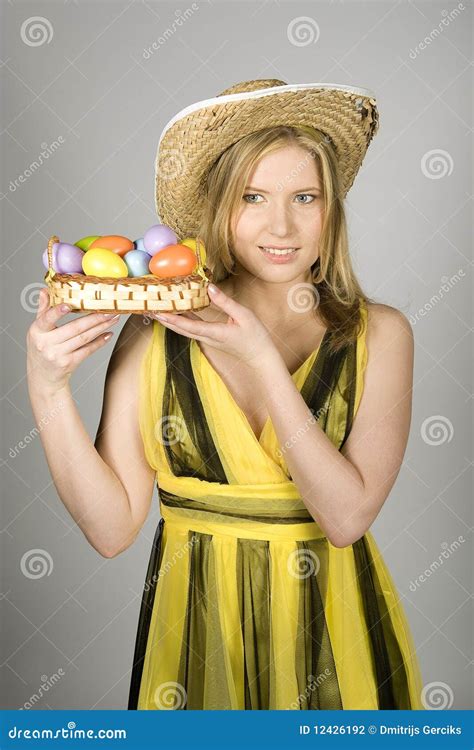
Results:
<point x="243" y="335"/>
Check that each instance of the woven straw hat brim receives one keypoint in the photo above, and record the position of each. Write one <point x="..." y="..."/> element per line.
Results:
<point x="194" y="138"/>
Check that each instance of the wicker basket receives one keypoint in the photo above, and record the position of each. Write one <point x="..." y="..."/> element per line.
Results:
<point x="137" y="295"/>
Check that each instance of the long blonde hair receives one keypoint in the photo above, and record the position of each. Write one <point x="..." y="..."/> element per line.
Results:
<point x="338" y="292"/>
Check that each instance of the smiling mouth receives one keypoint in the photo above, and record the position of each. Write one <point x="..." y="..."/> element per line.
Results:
<point x="278" y="251"/>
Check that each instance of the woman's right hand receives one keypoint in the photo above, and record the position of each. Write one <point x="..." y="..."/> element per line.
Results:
<point x="54" y="352"/>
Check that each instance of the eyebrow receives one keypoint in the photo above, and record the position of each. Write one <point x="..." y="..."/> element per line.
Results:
<point x="301" y="190"/>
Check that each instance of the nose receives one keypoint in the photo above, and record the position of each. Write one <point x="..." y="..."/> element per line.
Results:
<point x="280" y="220"/>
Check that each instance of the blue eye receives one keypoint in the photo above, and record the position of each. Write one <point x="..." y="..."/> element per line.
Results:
<point x="257" y="195"/>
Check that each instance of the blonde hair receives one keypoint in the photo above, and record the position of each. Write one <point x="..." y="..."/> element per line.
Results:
<point x="339" y="294"/>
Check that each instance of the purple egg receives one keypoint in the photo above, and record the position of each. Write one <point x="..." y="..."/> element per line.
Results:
<point x="69" y="258"/>
<point x="54" y="258"/>
<point x="158" y="237"/>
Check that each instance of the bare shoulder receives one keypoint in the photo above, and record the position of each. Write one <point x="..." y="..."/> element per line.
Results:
<point x="388" y="328"/>
<point x="132" y="341"/>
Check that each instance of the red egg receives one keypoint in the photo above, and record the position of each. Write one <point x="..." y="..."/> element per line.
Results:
<point x="115" y="242"/>
<point x="173" y="260"/>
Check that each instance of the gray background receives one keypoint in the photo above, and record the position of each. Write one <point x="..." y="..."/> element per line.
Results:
<point x="90" y="88"/>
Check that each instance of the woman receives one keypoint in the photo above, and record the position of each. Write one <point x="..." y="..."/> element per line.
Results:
<point x="274" y="421"/>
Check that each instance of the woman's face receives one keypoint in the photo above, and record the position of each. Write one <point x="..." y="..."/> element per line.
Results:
<point x="282" y="207"/>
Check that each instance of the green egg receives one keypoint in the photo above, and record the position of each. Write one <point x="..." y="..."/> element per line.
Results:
<point x="86" y="242"/>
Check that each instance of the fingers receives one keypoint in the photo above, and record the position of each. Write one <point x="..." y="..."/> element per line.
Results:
<point x="79" y="355"/>
<point x="85" y="334"/>
<point x="234" y="309"/>
<point x="46" y="316"/>
<point x="80" y="327"/>
<point x="43" y="301"/>
<point x="181" y="324"/>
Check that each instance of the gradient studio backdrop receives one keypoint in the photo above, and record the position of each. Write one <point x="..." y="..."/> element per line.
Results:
<point x="91" y="85"/>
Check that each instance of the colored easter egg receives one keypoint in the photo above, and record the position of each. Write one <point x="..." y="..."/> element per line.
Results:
<point x="174" y="260"/>
<point x="137" y="262"/>
<point x="191" y="242"/>
<point x="102" y="262"/>
<point x="139" y="245"/>
<point x="69" y="258"/>
<point x="86" y="242"/>
<point x="114" y="242"/>
<point x="54" y="259"/>
<point x="158" y="237"/>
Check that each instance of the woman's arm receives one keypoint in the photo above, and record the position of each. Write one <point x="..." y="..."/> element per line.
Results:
<point x="107" y="488"/>
<point x="345" y="490"/>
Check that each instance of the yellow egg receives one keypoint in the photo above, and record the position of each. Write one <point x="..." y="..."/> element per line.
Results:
<point x="101" y="262"/>
<point x="191" y="242"/>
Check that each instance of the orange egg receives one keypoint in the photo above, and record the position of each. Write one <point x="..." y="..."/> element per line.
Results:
<point x="173" y="260"/>
<point x="115" y="242"/>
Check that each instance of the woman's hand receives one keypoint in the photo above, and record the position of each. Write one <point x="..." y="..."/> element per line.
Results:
<point x="53" y="353"/>
<point x="243" y="335"/>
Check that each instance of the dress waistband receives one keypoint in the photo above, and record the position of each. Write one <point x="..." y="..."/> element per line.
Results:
<point x="214" y="523"/>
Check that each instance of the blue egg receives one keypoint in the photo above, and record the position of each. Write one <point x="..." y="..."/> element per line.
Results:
<point x="137" y="262"/>
<point x="139" y="245"/>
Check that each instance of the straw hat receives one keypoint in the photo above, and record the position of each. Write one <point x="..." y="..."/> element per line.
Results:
<point x="193" y="139"/>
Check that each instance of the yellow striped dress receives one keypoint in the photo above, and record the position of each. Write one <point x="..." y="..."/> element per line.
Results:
<point x="246" y="604"/>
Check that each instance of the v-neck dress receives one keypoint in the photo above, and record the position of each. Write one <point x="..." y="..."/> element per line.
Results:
<point x="246" y="604"/>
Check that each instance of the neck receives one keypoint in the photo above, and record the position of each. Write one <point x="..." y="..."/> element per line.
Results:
<point x="276" y="304"/>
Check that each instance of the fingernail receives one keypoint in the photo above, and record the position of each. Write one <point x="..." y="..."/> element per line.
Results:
<point x="161" y="316"/>
<point x="65" y="308"/>
<point x="212" y="288"/>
